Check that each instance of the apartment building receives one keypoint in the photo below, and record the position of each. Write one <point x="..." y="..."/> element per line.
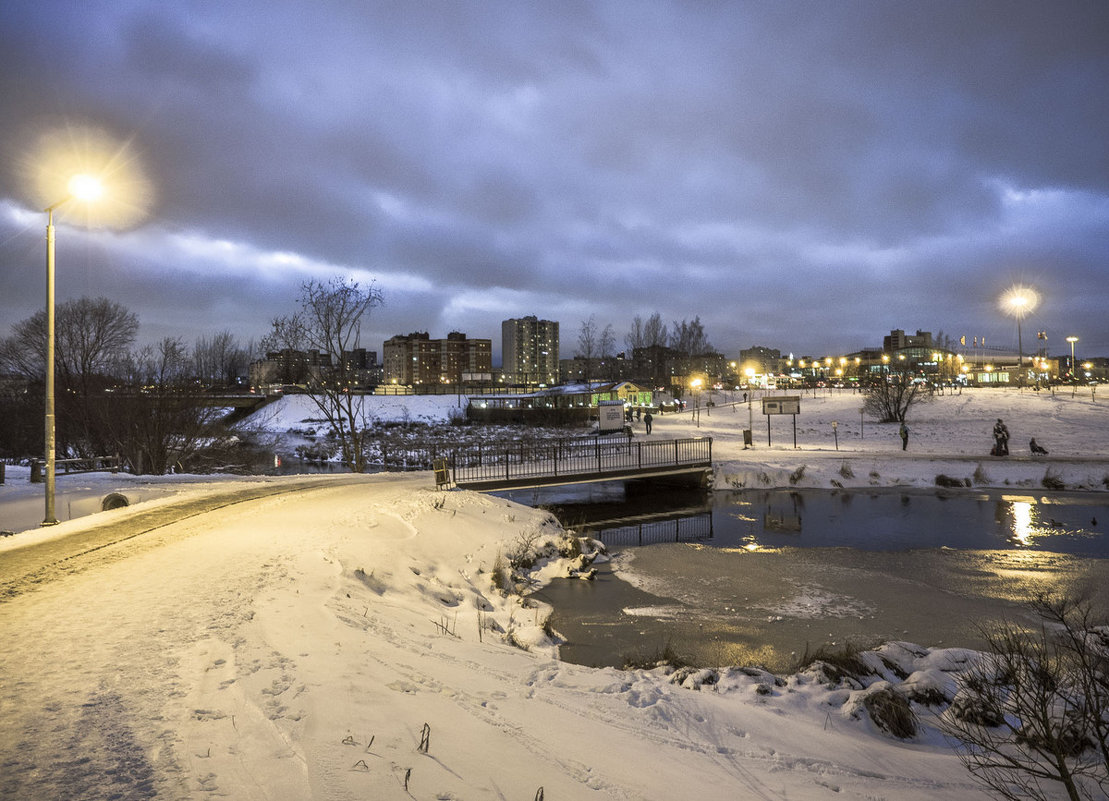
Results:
<point x="529" y="349"/>
<point x="418" y="360"/>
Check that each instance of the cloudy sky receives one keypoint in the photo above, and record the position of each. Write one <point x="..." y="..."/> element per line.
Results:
<point x="801" y="175"/>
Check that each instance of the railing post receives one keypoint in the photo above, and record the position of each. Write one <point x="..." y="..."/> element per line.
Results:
<point x="597" y="445"/>
<point x="639" y="454"/>
<point x="676" y="453"/>
<point x="507" y="457"/>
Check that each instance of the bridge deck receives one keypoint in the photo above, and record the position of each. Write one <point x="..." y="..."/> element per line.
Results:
<point x="577" y="461"/>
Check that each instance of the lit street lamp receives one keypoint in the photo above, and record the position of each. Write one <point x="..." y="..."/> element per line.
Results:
<point x="1072" y="339"/>
<point x="1019" y="301"/>
<point x="750" y="373"/>
<point x="81" y="187"/>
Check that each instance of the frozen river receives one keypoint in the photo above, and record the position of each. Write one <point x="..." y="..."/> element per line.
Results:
<point x="758" y="577"/>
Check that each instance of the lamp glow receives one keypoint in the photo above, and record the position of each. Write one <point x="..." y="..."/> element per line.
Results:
<point x="1018" y="301"/>
<point x="85" y="187"/>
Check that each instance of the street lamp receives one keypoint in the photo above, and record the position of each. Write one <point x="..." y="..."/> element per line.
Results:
<point x="1072" y="339"/>
<point x="81" y="187"/>
<point x="1019" y="301"/>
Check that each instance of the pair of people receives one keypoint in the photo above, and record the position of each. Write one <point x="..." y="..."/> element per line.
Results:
<point x="1000" y="439"/>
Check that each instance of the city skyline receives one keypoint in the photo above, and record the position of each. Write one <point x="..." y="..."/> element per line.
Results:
<point x="803" y="177"/>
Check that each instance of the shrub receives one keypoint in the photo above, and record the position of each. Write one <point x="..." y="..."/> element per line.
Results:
<point x="500" y="581"/>
<point x="948" y="481"/>
<point x="836" y="664"/>
<point x="891" y="712"/>
<point x="1032" y="710"/>
<point x="980" y="476"/>
<point x="1052" y="481"/>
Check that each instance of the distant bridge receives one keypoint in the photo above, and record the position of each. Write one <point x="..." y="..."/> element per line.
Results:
<point x="580" y="460"/>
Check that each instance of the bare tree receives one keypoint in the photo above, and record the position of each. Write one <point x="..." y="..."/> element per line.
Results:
<point x="654" y="332"/>
<point x="330" y="321"/>
<point x="889" y="398"/>
<point x="92" y="338"/>
<point x="587" y="345"/>
<point x="220" y="360"/>
<point x="155" y="422"/>
<point x="635" y="338"/>
<point x="688" y="338"/>
<point x="1032" y="714"/>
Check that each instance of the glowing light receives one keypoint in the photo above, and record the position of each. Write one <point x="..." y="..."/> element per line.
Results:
<point x="1020" y="300"/>
<point x="71" y="161"/>
<point x="1022" y="523"/>
<point x="86" y="187"/>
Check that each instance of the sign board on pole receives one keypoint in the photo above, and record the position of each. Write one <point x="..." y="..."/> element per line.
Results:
<point x="782" y="404"/>
<point x="610" y="414"/>
<point x="442" y="473"/>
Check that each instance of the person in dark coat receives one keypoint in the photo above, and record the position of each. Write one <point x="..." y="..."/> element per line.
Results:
<point x="1000" y="438"/>
<point x="904" y="432"/>
<point x="647" y="418"/>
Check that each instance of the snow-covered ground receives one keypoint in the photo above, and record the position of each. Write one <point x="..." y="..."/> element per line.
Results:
<point x="295" y="646"/>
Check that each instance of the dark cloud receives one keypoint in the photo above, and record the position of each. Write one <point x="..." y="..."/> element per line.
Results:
<point x="804" y="175"/>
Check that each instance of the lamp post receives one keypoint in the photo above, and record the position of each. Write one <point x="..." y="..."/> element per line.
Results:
<point x="1019" y="301"/>
<point x="81" y="187"/>
<point x="750" y="373"/>
<point x="1072" y="339"/>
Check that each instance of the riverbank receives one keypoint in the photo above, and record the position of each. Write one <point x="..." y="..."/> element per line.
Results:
<point x="949" y="436"/>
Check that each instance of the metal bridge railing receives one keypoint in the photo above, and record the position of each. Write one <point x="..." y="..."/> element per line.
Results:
<point x="593" y="456"/>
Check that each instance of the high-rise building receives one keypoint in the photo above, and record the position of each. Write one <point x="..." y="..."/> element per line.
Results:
<point x="529" y="348"/>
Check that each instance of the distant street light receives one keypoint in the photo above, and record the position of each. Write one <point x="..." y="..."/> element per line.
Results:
<point x="1019" y="301"/>
<point x="750" y="373"/>
<point x="1072" y="339"/>
<point x="81" y="187"/>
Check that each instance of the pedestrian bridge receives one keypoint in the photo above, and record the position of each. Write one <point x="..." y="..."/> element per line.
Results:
<point x="578" y="461"/>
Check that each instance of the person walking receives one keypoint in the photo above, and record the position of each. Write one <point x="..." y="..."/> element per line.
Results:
<point x="904" y="432"/>
<point x="647" y="418"/>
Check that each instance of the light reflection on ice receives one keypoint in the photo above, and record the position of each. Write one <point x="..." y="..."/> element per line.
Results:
<point x="1022" y="523"/>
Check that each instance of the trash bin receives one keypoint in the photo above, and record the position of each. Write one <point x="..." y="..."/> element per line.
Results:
<point x="36" y="472"/>
<point x="1" y="472"/>
<point x="747" y="440"/>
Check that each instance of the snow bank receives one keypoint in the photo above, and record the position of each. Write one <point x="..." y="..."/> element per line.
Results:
<point x="307" y="644"/>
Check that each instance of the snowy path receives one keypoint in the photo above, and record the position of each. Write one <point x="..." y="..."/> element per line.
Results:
<point x="80" y="547"/>
<point x="293" y="646"/>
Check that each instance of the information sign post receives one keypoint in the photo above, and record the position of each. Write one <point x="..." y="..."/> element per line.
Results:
<point x="781" y="404"/>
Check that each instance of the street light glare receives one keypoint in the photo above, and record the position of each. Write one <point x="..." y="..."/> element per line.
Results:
<point x="1020" y="300"/>
<point x="76" y="162"/>
<point x="86" y="187"/>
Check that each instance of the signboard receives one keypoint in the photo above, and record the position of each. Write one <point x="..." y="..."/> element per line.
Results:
<point x="782" y="404"/>
<point x="611" y="415"/>
<point x="442" y="473"/>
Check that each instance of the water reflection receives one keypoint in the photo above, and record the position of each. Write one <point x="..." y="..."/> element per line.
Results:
<point x="873" y="521"/>
<point x="1021" y="513"/>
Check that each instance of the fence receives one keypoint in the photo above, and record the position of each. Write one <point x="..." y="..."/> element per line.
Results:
<point x="597" y="456"/>
<point x="91" y="464"/>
